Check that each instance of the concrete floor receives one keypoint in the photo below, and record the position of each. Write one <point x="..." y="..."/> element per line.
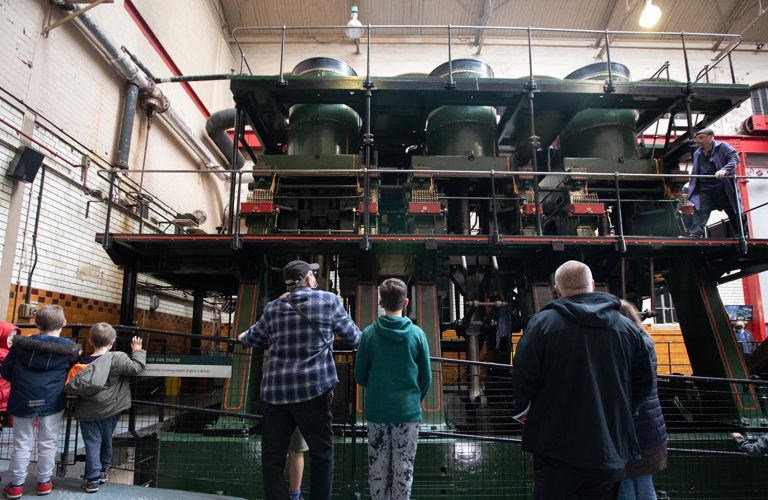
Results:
<point x="69" y="488"/>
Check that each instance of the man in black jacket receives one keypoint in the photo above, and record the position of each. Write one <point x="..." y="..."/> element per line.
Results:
<point x="583" y="368"/>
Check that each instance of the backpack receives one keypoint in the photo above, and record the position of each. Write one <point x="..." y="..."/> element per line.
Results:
<point x="76" y="368"/>
<point x="88" y="379"/>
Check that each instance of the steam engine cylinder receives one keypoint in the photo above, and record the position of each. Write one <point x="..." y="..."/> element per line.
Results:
<point x="323" y="129"/>
<point x="462" y="130"/>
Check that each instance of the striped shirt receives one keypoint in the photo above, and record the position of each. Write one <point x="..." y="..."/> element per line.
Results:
<point x="300" y="363"/>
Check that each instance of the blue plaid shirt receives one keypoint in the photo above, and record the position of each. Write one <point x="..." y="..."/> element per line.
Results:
<point x="300" y="364"/>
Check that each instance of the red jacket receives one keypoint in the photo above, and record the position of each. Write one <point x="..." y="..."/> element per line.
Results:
<point x="6" y="330"/>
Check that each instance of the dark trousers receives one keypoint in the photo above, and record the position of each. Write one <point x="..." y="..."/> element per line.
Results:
<point x="712" y="199"/>
<point x="97" y="438"/>
<point x="314" y="419"/>
<point x="553" y="480"/>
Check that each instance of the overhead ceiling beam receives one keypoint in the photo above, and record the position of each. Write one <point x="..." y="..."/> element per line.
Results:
<point x="486" y="9"/>
<point x="729" y="23"/>
<point x="605" y="22"/>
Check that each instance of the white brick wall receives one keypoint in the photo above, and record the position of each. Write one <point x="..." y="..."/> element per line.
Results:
<point x="9" y="143"/>
<point x="77" y="98"/>
<point x="732" y="293"/>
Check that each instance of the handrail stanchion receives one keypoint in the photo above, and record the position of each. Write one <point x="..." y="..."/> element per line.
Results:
<point x="730" y="66"/>
<point x="368" y="148"/>
<point x="281" y="79"/>
<point x="740" y="221"/>
<point x="608" y="88"/>
<point x="622" y="248"/>
<point x="494" y="210"/>
<point x="451" y="84"/>
<point x="685" y="59"/>
<point x="535" y="140"/>
<point x="62" y="468"/>
<point x="236" y="183"/>
<point x="106" y="243"/>
<point x="368" y="82"/>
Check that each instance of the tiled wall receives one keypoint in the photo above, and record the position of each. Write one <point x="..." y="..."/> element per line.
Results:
<point x="86" y="310"/>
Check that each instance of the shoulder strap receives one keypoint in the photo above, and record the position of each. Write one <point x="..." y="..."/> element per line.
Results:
<point x="306" y="318"/>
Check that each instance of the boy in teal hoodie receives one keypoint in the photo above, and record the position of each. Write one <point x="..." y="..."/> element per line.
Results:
<point x="393" y="365"/>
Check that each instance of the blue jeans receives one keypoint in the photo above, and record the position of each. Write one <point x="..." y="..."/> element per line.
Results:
<point x="97" y="436"/>
<point x="314" y="419"/>
<point x="638" y="488"/>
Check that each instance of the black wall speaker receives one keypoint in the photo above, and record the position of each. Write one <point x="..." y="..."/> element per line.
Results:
<point x="25" y="164"/>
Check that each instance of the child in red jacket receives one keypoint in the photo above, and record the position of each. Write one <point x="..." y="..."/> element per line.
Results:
<point x="6" y="331"/>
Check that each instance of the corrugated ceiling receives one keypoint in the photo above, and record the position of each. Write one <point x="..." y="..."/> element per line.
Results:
<point x="747" y="18"/>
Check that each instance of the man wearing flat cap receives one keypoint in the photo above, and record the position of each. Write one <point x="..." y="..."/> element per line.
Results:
<point x="718" y="159"/>
<point x="299" y="376"/>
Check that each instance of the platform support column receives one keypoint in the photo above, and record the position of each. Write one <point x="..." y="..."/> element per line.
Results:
<point x="712" y="347"/>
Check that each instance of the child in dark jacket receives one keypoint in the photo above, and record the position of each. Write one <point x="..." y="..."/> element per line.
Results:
<point x="98" y="407"/>
<point x="37" y="367"/>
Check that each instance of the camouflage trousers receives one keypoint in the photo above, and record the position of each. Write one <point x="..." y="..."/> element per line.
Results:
<point x="391" y="454"/>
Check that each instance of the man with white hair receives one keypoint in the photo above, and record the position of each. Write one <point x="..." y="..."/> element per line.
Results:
<point x="581" y="369"/>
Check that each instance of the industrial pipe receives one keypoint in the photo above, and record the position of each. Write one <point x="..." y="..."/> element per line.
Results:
<point x="216" y="128"/>
<point x="129" y="70"/>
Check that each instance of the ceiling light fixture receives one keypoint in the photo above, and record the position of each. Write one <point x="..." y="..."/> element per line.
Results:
<point x="354" y="29"/>
<point x="650" y="15"/>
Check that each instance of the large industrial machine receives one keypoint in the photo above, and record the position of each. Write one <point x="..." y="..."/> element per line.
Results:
<point x="473" y="189"/>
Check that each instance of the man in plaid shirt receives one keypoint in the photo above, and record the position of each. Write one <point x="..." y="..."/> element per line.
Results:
<point x="299" y="376"/>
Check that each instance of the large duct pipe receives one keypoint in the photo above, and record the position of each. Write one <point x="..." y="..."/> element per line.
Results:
<point x="128" y="69"/>
<point x="126" y="125"/>
<point x="216" y="128"/>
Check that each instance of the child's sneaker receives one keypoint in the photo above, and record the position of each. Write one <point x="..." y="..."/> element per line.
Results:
<point x="13" y="491"/>
<point x="44" y="488"/>
<point x="104" y="477"/>
<point x="90" y="486"/>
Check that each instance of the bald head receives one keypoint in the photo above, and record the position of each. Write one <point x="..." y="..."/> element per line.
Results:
<point x="573" y="278"/>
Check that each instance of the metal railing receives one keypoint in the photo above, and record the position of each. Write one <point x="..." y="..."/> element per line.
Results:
<point x="613" y="184"/>
<point x="449" y="32"/>
<point x="468" y="447"/>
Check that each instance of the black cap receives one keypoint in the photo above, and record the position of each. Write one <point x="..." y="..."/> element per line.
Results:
<point x="297" y="270"/>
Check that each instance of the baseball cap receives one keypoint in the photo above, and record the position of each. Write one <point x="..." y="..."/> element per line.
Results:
<point x="297" y="270"/>
<point x="705" y="131"/>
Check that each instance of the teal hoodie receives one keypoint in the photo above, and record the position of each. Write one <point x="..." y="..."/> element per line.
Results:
<point x="392" y="363"/>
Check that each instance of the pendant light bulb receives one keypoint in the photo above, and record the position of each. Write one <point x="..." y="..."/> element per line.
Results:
<point x="354" y="29"/>
<point x="650" y="15"/>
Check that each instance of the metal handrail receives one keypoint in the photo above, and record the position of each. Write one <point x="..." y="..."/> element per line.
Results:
<point x="735" y="40"/>
<point x="491" y="174"/>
